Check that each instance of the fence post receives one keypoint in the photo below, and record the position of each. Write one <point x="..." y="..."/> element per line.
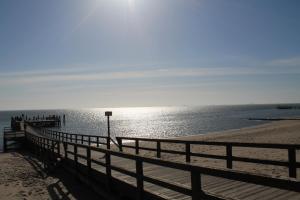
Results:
<point x="139" y="179"/>
<point x="108" y="170"/>
<point x="97" y="141"/>
<point x="4" y="144"/>
<point x="44" y="152"/>
<point x="292" y="162"/>
<point x="76" y="138"/>
<point x="89" y="140"/>
<point x="136" y="146"/>
<point x="66" y="149"/>
<point x="197" y="192"/>
<point x="52" y="155"/>
<point x="119" y="140"/>
<point x="75" y="157"/>
<point x="38" y="147"/>
<point x="229" y="155"/>
<point x="58" y="148"/>
<point x="187" y="152"/>
<point x="81" y="139"/>
<point x="88" y="158"/>
<point x="158" y="149"/>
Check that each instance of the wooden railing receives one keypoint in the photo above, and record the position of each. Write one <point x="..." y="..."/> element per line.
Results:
<point x="7" y="130"/>
<point x="47" y="147"/>
<point x="291" y="149"/>
<point x="90" y="140"/>
<point x="12" y="139"/>
<point x="291" y="162"/>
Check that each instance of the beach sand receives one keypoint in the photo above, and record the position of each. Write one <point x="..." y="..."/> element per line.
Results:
<point x="21" y="177"/>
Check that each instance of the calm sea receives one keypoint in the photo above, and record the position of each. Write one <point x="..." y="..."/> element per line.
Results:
<point x="160" y="122"/>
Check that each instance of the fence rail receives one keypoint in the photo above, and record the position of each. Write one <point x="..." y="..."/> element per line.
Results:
<point x="77" y="138"/>
<point x="291" y="162"/>
<point x="7" y="129"/>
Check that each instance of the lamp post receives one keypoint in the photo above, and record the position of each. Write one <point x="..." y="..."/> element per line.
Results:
<point x="108" y="114"/>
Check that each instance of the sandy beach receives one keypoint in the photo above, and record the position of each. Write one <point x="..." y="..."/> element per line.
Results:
<point x="22" y="178"/>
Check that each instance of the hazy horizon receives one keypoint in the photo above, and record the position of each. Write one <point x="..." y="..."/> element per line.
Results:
<point x="157" y="106"/>
<point x="137" y="53"/>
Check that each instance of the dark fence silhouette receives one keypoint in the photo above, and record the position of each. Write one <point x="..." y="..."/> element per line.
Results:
<point x="291" y="162"/>
<point x="55" y="146"/>
<point x="77" y="138"/>
<point x="12" y="138"/>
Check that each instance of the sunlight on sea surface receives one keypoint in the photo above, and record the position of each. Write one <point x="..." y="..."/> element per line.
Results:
<point x="142" y="121"/>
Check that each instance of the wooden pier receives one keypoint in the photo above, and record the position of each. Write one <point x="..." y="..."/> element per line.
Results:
<point x="131" y="176"/>
<point x="14" y="136"/>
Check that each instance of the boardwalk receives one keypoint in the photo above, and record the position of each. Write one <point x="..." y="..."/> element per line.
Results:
<point x="219" y="187"/>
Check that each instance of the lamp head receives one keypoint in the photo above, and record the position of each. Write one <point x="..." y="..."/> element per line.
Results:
<point x="108" y="113"/>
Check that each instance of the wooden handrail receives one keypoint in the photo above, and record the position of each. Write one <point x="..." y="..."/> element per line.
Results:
<point x="291" y="162"/>
<point x="77" y="138"/>
<point x="236" y="144"/>
<point x="195" y="171"/>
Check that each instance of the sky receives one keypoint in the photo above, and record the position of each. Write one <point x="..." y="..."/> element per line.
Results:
<point x="123" y="53"/>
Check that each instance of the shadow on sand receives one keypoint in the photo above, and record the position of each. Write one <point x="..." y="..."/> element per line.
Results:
<point x="65" y="185"/>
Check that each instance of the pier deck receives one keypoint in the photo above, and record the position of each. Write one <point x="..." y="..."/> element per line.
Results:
<point x="220" y="187"/>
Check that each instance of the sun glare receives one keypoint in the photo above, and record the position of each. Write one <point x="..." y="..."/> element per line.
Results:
<point x="131" y="4"/>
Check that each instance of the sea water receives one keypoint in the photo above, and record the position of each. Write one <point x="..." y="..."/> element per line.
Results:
<point x="157" y="122"/>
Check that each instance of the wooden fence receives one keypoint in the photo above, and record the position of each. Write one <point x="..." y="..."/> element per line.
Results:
<point x="291" y="162"/>
<point x="90" y="140"/>
<point x="12" y="139"/>
<point x="50" y="148"/>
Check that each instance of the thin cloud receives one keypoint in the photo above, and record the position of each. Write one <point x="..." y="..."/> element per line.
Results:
<point x="287" y="62"/>
<point x="94" y="75"/>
